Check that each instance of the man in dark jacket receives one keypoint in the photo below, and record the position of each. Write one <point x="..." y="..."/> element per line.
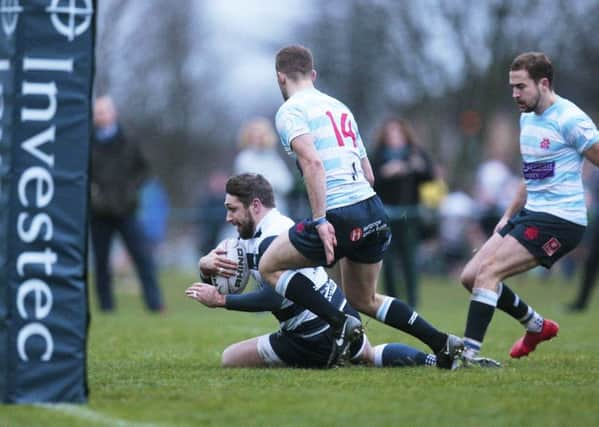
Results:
<point x="118" y="170"/>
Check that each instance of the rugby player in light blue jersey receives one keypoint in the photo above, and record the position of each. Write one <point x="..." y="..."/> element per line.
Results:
<point x="303" y="340"/>
<point x="546" y="219"/>
<point x="348" y="223"/>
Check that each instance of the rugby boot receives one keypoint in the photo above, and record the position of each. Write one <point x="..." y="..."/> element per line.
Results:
<point x="350" y="332"/>
<point x="530" y="340"/>
<point x="448" y="357"/>
<point x="479" y="362"/>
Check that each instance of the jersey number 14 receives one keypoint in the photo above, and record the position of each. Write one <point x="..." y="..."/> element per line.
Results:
<point x="346" y="130"/>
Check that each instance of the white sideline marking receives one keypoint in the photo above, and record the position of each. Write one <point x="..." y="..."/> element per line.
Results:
<point x="84" y="413"/>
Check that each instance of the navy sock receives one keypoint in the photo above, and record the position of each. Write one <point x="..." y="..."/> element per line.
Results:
<point x="396" y="354"/>
<point x="479" y="318"/>
<point x="511" y="303"/>
<point x="300" y="290"/>
<point x="398" y="314"/>
<point x="480" y="314"/>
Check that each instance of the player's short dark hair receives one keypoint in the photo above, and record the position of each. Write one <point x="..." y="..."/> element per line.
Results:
<point x="537" y="64"/>
<point x="249" y="186"/>
<point x="295" y="61"/>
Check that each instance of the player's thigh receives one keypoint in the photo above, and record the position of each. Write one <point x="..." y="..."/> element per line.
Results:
<point x="243" y="354"/>
<point x="282" y="255"/>
<point x="359" y="282"/>
<point x="509" y="258"/>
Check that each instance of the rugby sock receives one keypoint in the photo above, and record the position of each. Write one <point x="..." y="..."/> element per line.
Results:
<point x="482" y="306"/>
<point x="532" y="321"/>
<point x="299" y="289"/>
<point x="396" y="354"/>
<point x="511" y="303"/>
<point x="398" y="314"/>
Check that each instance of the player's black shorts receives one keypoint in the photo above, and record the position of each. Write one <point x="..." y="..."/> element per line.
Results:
<point x="547" y="237"/>
<point x="362" y="231"/>
<point x="311" y="352"/>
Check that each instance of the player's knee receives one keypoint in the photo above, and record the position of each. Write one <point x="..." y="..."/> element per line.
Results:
<point x="467" y="278"/>
<point x="266" y="272"/>
<point x="363" y="304"/>
<point x="228" y="359"/>
<point x="487" y="271"/>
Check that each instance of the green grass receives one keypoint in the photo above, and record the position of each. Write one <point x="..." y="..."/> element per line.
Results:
<point x="149" y="370"/>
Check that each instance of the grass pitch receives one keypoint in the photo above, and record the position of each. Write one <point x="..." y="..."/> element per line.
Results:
<point x="163" y="370"/>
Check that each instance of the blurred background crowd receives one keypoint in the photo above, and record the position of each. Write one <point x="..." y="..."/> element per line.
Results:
<point x="427" y="82"/>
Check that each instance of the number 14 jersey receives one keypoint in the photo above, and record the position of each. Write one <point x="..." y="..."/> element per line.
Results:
<point x="336" y="138"/>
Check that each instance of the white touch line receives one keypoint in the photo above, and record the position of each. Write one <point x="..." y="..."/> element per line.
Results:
<point x="84" y="413"/>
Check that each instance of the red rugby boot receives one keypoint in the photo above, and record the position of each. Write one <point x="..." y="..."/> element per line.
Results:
<point x="530" y="340"/>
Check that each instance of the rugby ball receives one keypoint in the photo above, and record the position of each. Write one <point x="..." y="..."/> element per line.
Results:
<point x="237" y="283"/>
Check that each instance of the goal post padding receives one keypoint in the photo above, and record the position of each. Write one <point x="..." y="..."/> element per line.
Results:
<point x="46" y="73"/>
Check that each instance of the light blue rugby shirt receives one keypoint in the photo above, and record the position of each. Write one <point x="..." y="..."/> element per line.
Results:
<point x="552" y="146"/>
<point x="337" y="141"/>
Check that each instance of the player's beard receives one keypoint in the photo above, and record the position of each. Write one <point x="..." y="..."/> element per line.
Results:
<point x="246" y="227"/>
<point x="530" y="107"/>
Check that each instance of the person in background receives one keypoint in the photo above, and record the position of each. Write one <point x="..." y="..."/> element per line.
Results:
<point x="258" y="154"/>
<point x="494" y="190"/>
<point x="400" y="166"/>
<point x="211" y="212"/>
<point x="153" y="212"/>
<point x="118" y="170"/>
<point x="590" y="266"/>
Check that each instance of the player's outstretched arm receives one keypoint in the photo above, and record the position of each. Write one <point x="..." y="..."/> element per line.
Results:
<point x="263" y="299"/>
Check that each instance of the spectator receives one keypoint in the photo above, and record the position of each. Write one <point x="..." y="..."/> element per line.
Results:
<point x="258" y="154"/>
<point x="591" y="266"/>
<point x="118" y="171"/>
<point x="211" y="212"/>
<point x="495" y="188"/>
<point x="458" y="231"/>
<point x="400" y="167"/>
<point x="153" y="212"/>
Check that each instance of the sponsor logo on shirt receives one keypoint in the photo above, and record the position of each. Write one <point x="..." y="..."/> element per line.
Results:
<point x="538" y="170"/>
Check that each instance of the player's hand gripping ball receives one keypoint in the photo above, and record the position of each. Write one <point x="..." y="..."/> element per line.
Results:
<point x="236" y="283"/>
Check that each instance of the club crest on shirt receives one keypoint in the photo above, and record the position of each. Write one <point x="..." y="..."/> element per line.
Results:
<point x="552" y="246"/>
<point x="545" y="144"/>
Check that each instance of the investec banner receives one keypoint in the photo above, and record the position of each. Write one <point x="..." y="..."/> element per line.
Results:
<point x="46" y="64"/>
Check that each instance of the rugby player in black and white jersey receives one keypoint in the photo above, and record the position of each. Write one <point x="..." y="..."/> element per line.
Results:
<point x="303" y="340"/>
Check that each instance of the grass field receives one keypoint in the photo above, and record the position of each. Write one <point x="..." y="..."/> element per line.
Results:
<point x="148" y="370"/>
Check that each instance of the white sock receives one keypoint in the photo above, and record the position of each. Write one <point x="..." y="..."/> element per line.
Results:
<point x="533" y="321"/>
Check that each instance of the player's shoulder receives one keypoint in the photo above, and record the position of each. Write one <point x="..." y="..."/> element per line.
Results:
<point x="289" y="108"/>
<point x="567" y="112"/>
<point x="276" y="223"/>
